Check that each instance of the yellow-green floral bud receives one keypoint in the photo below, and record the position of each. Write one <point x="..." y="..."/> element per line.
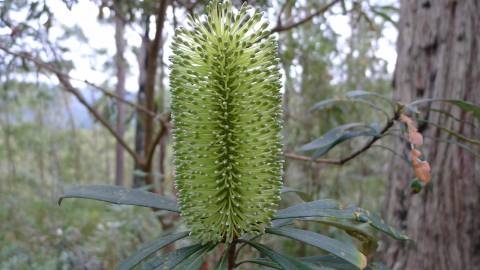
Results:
<point x="226" y="108"/>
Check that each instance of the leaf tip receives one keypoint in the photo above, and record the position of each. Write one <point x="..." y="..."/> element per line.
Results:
<point x="363" y="261"/>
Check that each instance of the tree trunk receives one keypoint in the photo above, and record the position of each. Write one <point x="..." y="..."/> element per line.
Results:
<point x="438" y="57"/>
<point x="152" y="64"/>
<point x="139" y="179"/>
<point x="120" y="65"/>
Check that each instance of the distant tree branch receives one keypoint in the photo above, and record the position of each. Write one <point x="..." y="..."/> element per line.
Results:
<point x="65" y="81"/>
<point x="190" y="6"/>
<point x="164" y="129"/>
<point x="280" y="28"/>
<point x="353" y="155"/>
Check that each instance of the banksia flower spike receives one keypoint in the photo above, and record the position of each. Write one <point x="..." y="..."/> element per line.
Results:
<point x="226" y="108"/>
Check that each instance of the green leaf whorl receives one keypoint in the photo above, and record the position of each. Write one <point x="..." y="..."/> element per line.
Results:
<point x="226" y="108"/>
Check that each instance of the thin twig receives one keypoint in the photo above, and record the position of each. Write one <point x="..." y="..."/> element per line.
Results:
<point x="342" y="161"/>
<point x="69" y="87"/>
<point x="281" y="28"/>
<point x="64" y="80"/>
<point x="151" y="150"/>
<point x="26" y="56"/>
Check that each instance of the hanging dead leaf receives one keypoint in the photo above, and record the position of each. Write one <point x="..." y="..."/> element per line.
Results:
<point x="415" y="153"/>
<point x="422" y="168"/>
<point x="414" y="137"/>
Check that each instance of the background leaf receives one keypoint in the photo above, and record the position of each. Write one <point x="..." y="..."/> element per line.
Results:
<point x="150" y="249"/>
<point x="342" y="250"/>
<point x="284" y="261"/>
<point x="120" y="195"/>
<point x="172" y="259"/>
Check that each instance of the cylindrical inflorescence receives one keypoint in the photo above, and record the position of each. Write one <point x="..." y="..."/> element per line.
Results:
<point x="226" y="109"/>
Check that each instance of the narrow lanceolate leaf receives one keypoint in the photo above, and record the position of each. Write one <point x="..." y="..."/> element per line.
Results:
<point x="174" y="258"/>
<point x="263" y="262"/>
<point x="120" y="195"/>
<point x="226" y="107"/>
<point x="338" y="135"/>
<point x="331" y="210"/>
<point x="285" y="262"/>
<point x="194" y="261"/>
<point x="360" y="231"/>
<point x="342" y="250"/>
<point x="320" y="208"/>
<point x="377" y="222"/>
<point x="300" y="193"/>
<point x="462" y="104"/>
<point x="150" y="249"/>
<point x="330" y="261"/>
<point x="366" y="94"/>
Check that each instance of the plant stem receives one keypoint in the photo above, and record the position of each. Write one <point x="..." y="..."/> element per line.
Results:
<point x="231" y="254"/>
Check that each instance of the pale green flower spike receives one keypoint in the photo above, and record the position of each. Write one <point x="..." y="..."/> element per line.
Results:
<point x="226" y="106"/>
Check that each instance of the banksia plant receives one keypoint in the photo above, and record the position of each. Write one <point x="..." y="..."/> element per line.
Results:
<point x="226" y="108"/>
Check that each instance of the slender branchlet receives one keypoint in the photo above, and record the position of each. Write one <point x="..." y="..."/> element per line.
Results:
<point x="226" y="108"/>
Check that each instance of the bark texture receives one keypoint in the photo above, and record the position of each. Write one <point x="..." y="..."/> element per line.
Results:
<point x="438" y="57"/>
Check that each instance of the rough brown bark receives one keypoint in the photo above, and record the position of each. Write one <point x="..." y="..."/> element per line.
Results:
<point x="120" y="66"/>
<point x="438" y="57"/>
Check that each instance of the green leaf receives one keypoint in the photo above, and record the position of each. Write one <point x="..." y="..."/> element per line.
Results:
<point x="330" y="209"/>
<point x="194" y="261"/>
<point x="320" y="208"/>
<point x="150" y="249"/>
<point x="284" y="261"/>
<point x="300" y="193"/>
<point x="362" y="94"/>
<point x="358" y="230"/>
<point x="262" y="262"/>
<point x="332" y="136"/>
<point x="377" y="222"/>
<point x="448" y="114"/>
<point x="464" y="105"/>
<point x="451" y="132"/>
<point x="330" y="261"/>
<point x="372" y="130"/>
<point x="342" y="250"/>
<point x="282" y="222"/>
<point x="172" y="259"/>
<point x="329" y="103"/>
<point x="120" y="195"/>
<point x="326" y="104"/>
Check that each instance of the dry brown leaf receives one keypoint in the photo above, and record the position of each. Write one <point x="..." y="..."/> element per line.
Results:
<point x="415" y="153"/>
<point x="422" y="168"/>
<point x="414" y="137"/>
